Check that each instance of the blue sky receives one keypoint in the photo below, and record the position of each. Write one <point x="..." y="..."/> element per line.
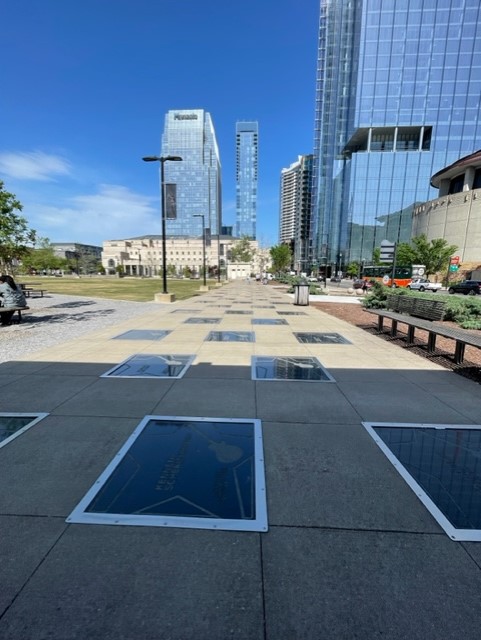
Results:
<point x="86" y="85"/>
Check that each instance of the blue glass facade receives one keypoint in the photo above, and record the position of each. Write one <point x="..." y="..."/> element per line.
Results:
<point x="190" y="134"/>
<point x="246" y="178"/>
<point x="397" y="99"/>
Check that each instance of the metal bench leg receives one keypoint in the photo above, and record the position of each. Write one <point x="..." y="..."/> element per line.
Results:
<point x="380" y="323"/>
<point x="459" y="352"/>
<point x="431" y="342"/>
<point x="410" y="337"/>
<point x="393" y="327"/>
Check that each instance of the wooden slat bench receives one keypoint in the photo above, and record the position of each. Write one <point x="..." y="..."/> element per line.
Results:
<point x="18" y="311"/>
<point x="422" y="314"/>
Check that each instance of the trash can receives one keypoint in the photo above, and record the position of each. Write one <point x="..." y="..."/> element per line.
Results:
<point x="301" y="295"/>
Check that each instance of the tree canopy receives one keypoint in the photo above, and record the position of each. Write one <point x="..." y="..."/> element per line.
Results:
<point x="43" y="257"/>
<point x="15" y="235"/>
<point x="281" y="257"/>
<point x="434" y="254"/>
<point x="242" y="251"/>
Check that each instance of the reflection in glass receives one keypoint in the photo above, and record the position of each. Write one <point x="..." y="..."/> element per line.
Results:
<point x="151" y="366"/>
<point x="446" y="463"/>
<point x="287" y="368"/>
<point x="10" y="424"/>
<point x="321" y="338"/>
<point x="231" y="336"/>
<point x="202" y="321"/>
<point x="14" y="424"/>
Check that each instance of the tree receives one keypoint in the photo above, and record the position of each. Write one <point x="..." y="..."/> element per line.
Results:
<point x="406" y="254"/>
<point x="376" y="256"/>
<point x="281" y="257"/>
<point x="242" y="251"/>
<point x="353" y="269"/>
<point x="15" y="235"/>
<point x="43" y="257"/>
<point x="433" y="255"/>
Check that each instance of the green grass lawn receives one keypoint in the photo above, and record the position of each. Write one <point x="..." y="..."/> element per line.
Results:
<point x="134" y="289"/>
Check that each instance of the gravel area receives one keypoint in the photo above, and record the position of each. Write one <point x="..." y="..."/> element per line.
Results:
<point x="59" y="318"/>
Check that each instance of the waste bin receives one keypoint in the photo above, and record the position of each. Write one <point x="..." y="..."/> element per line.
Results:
<point x="301" y="294"/>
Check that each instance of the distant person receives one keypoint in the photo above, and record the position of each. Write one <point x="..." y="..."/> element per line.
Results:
<point x="364" y="286"/>
<point x="11" y="296"/>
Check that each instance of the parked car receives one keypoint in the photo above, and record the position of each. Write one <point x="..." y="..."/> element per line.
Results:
<point x="468" y="287"/>
<point x="360" y="284"/>
<point x="423" y="284"/>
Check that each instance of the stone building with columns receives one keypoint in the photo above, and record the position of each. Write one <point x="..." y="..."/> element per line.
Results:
<point x="142" y="256"/>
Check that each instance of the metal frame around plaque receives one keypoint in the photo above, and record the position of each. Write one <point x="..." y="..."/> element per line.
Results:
<point x="81" y="516"/>
<point x="35" y="415"/>
<point x="191" y="358"/>
<point x="254" y="359"/>
<point x="464" y="535"/>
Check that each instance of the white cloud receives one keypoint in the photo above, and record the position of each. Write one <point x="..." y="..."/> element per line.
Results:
<point x="114" y="212"/>
<point x="33" y="165"/>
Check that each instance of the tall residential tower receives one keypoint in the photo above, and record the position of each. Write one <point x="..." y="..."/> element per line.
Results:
<point x="295" y="210"/>
<point x="398" y="99"/>
<point x="246" y="178"/>
<point x="189" y="133"/>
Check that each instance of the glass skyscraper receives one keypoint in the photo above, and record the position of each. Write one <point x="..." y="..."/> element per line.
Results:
<point x="397" y="99"/>
<point x="246" y="178"/>
<point x="189" y="133"/>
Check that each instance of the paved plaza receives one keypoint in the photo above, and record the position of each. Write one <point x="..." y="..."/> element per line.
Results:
<point x="350" y="551"/>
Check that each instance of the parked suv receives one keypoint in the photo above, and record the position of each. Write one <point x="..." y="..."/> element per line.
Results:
<point x="468" y="287"/>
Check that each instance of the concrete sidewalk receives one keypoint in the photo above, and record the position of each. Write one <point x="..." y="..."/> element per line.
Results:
<point x="350" y="552"/>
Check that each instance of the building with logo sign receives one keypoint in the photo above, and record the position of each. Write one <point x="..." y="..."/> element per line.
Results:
<point x="397" y="99"/>
<point x="455" y="215"/>
<point x="246" y="178"/>
<point x="189" y="133"/>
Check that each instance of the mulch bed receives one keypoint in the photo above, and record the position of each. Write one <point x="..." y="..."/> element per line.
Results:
<point x="443" y="356"/>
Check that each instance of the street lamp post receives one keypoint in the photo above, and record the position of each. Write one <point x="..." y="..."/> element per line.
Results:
<point x="162" y="160"/>
<point x="201" y="215"/>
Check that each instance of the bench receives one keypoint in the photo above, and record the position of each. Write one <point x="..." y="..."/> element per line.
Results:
<point x="29" y="292"/>
<point x="422" y="314"/>
<point x="18" y="310"/>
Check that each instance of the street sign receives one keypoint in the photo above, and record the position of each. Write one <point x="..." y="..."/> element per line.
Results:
<point x="388" y="250"/>
<point x="453" y="267"/>
<point x="454" y="260"/>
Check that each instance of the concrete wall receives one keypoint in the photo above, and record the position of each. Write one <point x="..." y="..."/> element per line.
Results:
<point x="456" y="218"/>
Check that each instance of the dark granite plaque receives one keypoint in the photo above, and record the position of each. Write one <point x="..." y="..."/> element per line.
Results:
<point x="445" y="462"/>
<point x="151" y="366"/>
<point x="268" y="321"/>
<point x="142" y="334"/>
<point x="292" y="313"/>
<point x="321" y="338"/>
<point x="184" y="472"/>
<point x="11" y="424"/>
<point x="202" y="320"/>
<point x="239" y="312"/>
<point x="231" y="336"/>
<point x="289" y="368"/>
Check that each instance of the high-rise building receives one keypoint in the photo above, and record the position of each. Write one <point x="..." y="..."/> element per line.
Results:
<point x="189" y="133"/>
<point x="295" y="210"/>
<point x="398" y="99"/>
<point x="246" y="178"/>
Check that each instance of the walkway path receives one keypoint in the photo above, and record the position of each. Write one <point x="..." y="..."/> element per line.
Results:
<point x="350" y="552"/>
